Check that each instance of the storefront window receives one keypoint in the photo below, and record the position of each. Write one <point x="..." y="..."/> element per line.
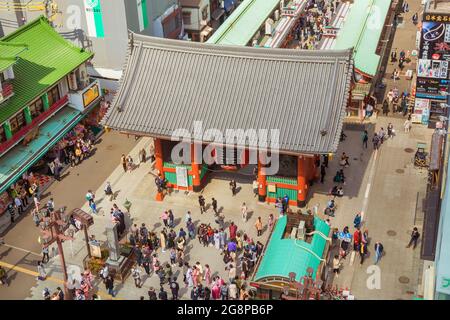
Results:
<point x="17" y="122"/>
<point x="2" y="134"/>
<point x="53" y="96"/>
<point x="36" y="108"/>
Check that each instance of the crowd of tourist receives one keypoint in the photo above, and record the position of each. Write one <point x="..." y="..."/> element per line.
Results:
<point x="313" y="21"/>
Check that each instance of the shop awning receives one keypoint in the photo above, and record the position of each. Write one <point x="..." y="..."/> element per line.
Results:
<point x="16" y="161"/>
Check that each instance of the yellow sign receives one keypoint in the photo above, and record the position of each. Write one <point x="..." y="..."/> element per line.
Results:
<point x="272" y="188"/>
<point x="90" y="95"/>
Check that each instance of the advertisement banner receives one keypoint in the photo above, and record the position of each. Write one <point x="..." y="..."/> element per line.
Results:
<point x="434" y="53"/>
<point x="90" y="95"/>
<point x="182" y="176"/>
<point x="142" y="14"/>
<point x="431" y="88"/>
<point x="94" y="18"/>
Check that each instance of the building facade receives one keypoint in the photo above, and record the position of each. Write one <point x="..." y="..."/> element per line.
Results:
<point x="196" y="19"/>
<point x="46" y="91"/>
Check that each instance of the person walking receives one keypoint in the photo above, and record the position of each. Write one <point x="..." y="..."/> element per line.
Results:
<point x="174" y="288"/>
<point x="407" y="125"/>
<point x="42" y="275"/>
<point x="201" y="202"/>
<point x="375" y="141"/>
<point x="152" y="294"/>
<point x="362" y="251"/>
<point x="233" y="187"/>
<point x="336" y="265"/>
<point x="385" y="107"/>
<point x="244" y="212"/>
<point x="365" y="138"/>
<point x="414" y="238"/>
<point x="255" y="187"/>
<point x="357" y="220"/>
<point x="123" y="161"/>
<point x="214" y="206"/>
<point x="136" y="274"/>
<point x="271" y="222"/>
<point x="142" y="156"/>
<point x="258" y="226"/>
<point x="378" y="251"/>
<point x="164" y="218"/>
<point x="19" y="205"/>
<point x="109" y="285"/>
<point x="394" y="55"/>
<point x="3" y="277"/>
<point x="390" y="130"/>
<point x="152" y="153"/>
<point x="322" y="172"/>
<point x="45" y="256"/>
<point x="12" y="212"/>
<point x="163" y="239"/>
<point x="171" y="220"/>
<point x="108" y="191"/>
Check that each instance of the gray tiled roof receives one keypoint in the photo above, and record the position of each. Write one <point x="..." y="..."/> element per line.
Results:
<point x="169" y="84"/>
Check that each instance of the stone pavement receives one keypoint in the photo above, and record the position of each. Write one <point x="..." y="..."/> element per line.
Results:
<point x="138" y="187"/>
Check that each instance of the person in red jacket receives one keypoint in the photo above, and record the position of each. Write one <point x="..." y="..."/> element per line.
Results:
<point x="233" y="230"/>
<point x="356" y="239"/>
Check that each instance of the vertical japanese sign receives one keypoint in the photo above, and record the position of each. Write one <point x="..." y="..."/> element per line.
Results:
<point x="94" y="18"/>
<point x="434" y="56"/>
<point x="142" y="14"/>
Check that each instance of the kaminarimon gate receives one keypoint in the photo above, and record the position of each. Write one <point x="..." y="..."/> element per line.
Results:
<point x="169" y="85"/>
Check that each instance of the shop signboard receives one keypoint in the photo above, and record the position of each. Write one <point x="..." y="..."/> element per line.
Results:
<point x="431" y="88"/>
<point x="434" y="56"/>
<point x="90" y="95"/>
<point x="94" y="18"/>
<point x="182" y="177"/>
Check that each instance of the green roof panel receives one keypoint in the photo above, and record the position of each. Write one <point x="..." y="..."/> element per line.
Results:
<point x="283" y="256"/>
<point x="48" y="58"/>
<point x="239" y="28"/>
<point x="9" y="53"/>
<point x="368" y="18"/>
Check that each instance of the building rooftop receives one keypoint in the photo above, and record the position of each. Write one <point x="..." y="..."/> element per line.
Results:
<point x="285" y="255"/>
<point x="244" y="22"/>
<point x="48" y="58"/>
<point x="9" y="53"/>
<point x="362" y="31"/>
<point x="168" y="85"/>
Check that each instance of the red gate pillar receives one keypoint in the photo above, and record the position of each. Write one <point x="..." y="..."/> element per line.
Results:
<point x="262" y="183"/>
<point x="301" y="182"/>
<point x="195" y="164"/>
<point x="159" y="164"/>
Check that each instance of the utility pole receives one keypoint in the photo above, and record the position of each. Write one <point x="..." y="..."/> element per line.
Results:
<point x="53" y="231"/>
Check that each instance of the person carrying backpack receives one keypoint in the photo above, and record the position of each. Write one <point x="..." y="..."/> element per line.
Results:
<point x="152" y="294"/>
<point x="174" y="287"/>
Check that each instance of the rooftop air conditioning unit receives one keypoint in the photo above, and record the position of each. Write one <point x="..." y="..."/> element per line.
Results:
<point x="301" y="230"/>
<point x="294" y="233"/>
<point x="269" y="26"/>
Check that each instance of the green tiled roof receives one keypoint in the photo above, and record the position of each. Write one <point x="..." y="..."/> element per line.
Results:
<point x="9" y="53"/>
<point x="283" y="256"/>
<point x="48" y="58"/>
<point x="239" y="28"/>
<point x="362" y="30"/>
